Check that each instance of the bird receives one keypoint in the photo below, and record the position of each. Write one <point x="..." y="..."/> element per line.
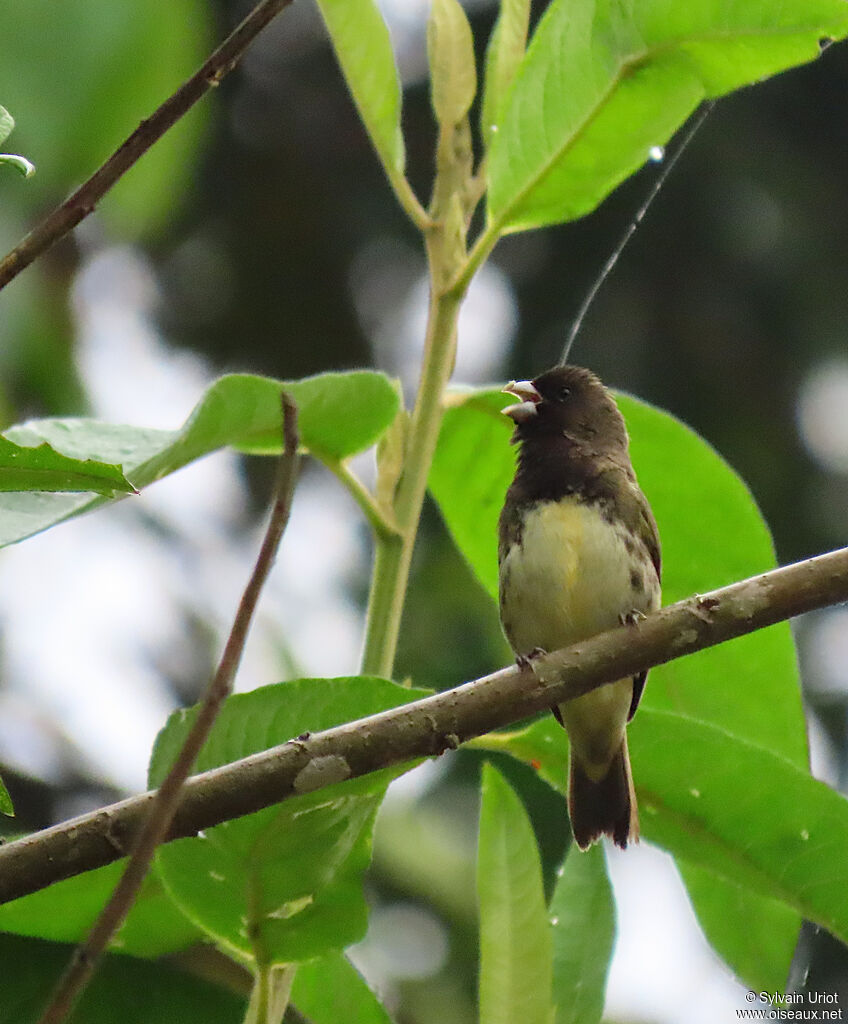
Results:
<point x="579" y="553"/>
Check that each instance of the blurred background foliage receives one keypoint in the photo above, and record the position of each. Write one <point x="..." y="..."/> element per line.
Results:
<point x="260" y="235"/>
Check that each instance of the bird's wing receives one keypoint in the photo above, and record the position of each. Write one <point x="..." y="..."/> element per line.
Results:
<point x="650" y="537"/>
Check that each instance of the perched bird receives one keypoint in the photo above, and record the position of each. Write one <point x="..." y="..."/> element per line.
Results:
<point x="579" y="553"/>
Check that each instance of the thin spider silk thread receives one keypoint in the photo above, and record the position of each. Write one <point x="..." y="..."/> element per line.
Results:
<point x="607" y="268"/>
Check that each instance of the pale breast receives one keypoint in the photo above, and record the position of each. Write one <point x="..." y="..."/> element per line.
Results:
<point x="570" y="575"/>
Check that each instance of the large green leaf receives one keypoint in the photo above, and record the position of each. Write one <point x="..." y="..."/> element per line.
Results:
<point x="515" y="935"/>
<point x="471" y="471"/>
<point x="712" y="534"/>
<point x="759" y="953"/>
<point x="604" y="81"/>
<point x="583" y="926"/>
<point x="339" y="414"/>
<point x="734" y="809"/>
<point x="65" y="912"/>
<point x="364" y="50"/>
<point x="744" y="813"/>
<point x="123" y="989"/>
<point x="331" y="990"/>
<point x="288" y="878"/>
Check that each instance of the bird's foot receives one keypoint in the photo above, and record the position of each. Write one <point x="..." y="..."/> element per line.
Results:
<point x="631" y="618"/>
<point x="526" y="660"/>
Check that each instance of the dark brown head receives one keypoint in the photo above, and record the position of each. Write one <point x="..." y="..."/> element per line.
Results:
<point x="567" y="402"/>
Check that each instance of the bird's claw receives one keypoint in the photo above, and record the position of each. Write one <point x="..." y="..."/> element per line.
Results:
<point x="631" y="618"/>
<point x="526" y="660"/>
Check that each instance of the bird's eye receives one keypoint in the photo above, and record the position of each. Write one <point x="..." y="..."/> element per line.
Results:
<point x="563" y="393"/>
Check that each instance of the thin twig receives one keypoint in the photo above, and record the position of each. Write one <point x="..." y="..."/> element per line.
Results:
<point x="426" y="727"/>
<point x="167" y="797"/>
<point x="83" y="201"/>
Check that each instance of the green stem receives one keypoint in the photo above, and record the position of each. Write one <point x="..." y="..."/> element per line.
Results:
<point x="409" y="201"/>
<point x="280" y="985"/>
<point x="380" y="522"/>
<point x="377" y="658"/>
<point x="393" y="555"/>
<point x="444" y="234"/>
<point x="476" y="258"/>
<point x="270" y="995"/>
<point x="257" y="1007"/>
<point x="271" y="982"/>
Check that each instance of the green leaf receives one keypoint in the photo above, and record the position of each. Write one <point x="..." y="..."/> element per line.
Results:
<point x="583" y="919"/>
<point x="713" y="534"/>
<point x="723" y="804"/>
<point x="339" y="414"/>
<point x="744" y="813"/>
<point x="603" y="82"/>
<point x="331" y="990"/>
<point x="7" y="124"/>
<point x="364" y="51"/>
<point x="288" y="879"/>
<point x="65" y="912"/>
<point x="471" y="471"/>
<point x="503" y="57"/>
<point x="761" y="952"/>
<point x="41" y="468"/>
<point x="6" y="806"/>
<point x="515" y="935"/>
<point x="123" y="989"/>
<point x="450" y="49"/>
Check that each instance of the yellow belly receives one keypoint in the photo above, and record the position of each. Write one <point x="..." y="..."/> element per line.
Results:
<point x="569" y="578"/>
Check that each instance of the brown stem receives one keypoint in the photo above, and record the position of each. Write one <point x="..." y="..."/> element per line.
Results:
<point x="165" y="801"/>
<point x="430" y="726"/>
<point x="83" y="201"/>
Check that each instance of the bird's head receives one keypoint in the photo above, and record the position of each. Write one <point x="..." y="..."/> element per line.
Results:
<point x="570" y="402"/>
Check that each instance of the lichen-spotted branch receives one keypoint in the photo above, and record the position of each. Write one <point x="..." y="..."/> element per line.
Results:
<point x="427" y="727"/>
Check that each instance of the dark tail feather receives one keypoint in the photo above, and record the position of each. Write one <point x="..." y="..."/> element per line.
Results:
<point x="607" y="807"/>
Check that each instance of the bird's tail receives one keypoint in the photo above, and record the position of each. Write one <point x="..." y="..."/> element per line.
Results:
<point x="606" y="807"/>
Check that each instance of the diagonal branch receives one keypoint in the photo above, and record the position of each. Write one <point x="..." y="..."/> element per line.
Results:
<point x="166" y="799"/>
<point x="83" y="201"/>
<point x="427" y="727"/>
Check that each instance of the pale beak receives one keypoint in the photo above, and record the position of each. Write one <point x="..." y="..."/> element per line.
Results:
<point x="528" y="398"/>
